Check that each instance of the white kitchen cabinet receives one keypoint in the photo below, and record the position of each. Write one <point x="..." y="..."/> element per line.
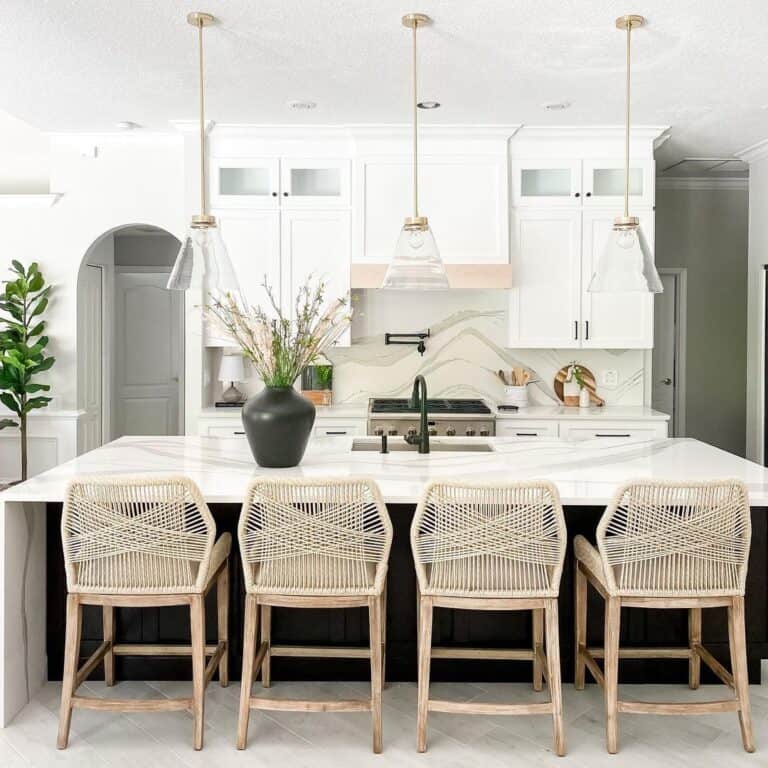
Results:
<point x="613" y="320"/>
<point x="545" y="299"/>
<point x="245" y="182"/>
<point x="315" y="243"/>
<point x="603" y="183"/>
<point x="546" y="182"/>
<point x="524" y="429"/>
<point x="465" y="199"/>
<point x="573" y="182"/>
<point x="613" y="431"/>
<point x="314" y="183"/>
<point x="334" y="428"/>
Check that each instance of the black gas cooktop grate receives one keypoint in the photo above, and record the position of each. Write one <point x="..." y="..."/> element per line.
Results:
<point x="403" y="405"/>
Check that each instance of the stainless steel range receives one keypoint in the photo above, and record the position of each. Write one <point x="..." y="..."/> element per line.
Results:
<point x="448" y="417"/>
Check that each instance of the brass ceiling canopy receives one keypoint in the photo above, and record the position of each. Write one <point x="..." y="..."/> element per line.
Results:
<point x="630" y="21"/>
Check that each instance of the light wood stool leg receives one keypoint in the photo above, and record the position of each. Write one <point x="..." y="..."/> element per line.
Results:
<point x="580" y="638"/>
<point x="612" y="629"/>
<point x="538" y="640"/>
<point x="108" y="620"/>
<point x="266" y="637"/>
<point x="222" y="613"/>
<point x="375" y="629"/>
<point x="384" y="636"/>
<point x="71" y="658"/>
<point x="738" y="642"/>
<point x="197" y="624"/>
<point x="425" y="651"/>
<point x="250" y="632"/>
<point x="553" y="675"/>
<point x="694" y="638"/>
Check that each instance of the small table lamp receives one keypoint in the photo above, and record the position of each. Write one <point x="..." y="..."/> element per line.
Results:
<point x="232" y="370"/>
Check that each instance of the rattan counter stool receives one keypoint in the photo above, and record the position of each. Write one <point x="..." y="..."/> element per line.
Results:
<point x="493" y="548"/>
<point x="312" y="543"/>
<point x="668" y="545"/>
<point x="141" y="542"/>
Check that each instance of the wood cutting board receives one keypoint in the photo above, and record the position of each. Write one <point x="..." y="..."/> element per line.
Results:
<point x="589" y="380"/>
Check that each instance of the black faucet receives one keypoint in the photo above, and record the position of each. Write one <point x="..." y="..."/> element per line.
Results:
<point x="419" y="400"/>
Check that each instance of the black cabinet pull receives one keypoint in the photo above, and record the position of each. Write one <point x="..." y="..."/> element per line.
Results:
<point x="600" y="434"/>
<point x="526" y="434"/>
<point x="239" y="433"/>
<point x="576" y="330"/>
<point x="336" y="433"/>
<point x="586" y="325"/>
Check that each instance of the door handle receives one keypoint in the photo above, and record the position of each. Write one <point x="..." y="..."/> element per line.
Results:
<point x="666" y="381"/>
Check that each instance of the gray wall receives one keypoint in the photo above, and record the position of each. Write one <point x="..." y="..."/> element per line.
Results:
<point x="705" y="231"/>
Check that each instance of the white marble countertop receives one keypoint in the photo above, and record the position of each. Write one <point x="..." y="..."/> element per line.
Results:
<point x="586" y="473"/>
<point x="351" y="411"/>
<point x="609" y="412"/>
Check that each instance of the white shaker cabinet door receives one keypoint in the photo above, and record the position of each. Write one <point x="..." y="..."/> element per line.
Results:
<point x="544" y="308"/>
<point x="464" y="198"/>
<point x="252" y="239"/>
<point x="315" y="243"/>
<point x="613" y="320"/>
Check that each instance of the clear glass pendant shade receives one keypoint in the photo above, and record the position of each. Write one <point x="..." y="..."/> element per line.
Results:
<point x="203" y="264"/>
<point x="416" y="263"/>
<point x="626" y="265"/>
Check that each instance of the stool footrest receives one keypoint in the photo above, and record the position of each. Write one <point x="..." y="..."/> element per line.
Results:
<point x="309" y="705"/>
<point x="679" y="708"/>
<point x="501" y="654"/>
<point x="478" y="708"/>
<point x="321" y="651"/>
<point x="131" y="705"/>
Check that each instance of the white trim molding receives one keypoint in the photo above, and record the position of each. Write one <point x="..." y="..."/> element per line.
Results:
<point x="754" y="152"/>
<point x="34" y="200"/>
<point x="702" y="182"/>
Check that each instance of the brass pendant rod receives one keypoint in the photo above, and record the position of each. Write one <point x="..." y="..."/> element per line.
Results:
<point x="203" y="201"/>
<point x="415" y="129"/>
<point x="626" y="133"/>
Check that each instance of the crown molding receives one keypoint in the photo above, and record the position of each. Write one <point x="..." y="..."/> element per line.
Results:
<point x="754" y="152"/>
<point x="191" y="126"/>
<point x="591" y="132"/>
<point x="47" y="200"/>
<point x="701" y="182"/>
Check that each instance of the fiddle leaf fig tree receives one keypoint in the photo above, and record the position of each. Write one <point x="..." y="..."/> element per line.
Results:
<point x="22" y="348"/>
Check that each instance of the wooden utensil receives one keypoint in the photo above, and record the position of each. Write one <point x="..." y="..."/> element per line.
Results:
<point x="503" y="377"/>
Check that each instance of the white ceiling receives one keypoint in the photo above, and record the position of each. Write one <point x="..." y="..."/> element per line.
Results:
<point x="701" y="67"/>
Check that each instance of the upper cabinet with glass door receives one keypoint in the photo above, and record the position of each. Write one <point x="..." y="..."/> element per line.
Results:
<point x="274" y="182"/>
<point x="577" y="182"/>
<point x="543" y="181"/>
<point x="603" y="183"/>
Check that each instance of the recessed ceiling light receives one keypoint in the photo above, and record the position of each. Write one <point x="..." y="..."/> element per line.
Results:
<point x="302" y="104"/>
<point x="428" y="104"/>
<point x="556" y="106"/>
<point x="126" y="125"/>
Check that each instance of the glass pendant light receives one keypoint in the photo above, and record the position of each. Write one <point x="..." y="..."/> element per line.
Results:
<point x="416" y="263"/>
<point x="626" y="264"/>
<point x="203" y="263"/>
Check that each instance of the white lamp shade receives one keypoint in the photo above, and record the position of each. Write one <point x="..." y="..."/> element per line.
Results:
<point x="626" y="265"/>
<point x="231" y="368"/>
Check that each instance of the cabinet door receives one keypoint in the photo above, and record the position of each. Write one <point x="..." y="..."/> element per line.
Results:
<point x="546" y="182"/>
<point x="544" y="306"/>
<point x="524" y="429"/>
<point x="314" y="183"/>
<point x="604" y="183"/>
<point x="245" y="183"/>
<point x="613" y="320"/>
<point x="253" y="242"/>
<point x="315" y="243"/>
<point x="465" y="199"/>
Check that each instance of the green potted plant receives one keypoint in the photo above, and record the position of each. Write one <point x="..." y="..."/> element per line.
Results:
<point x="278" y="420"/>
<point x="317" y="383"/>
<point x="22" y="348"/>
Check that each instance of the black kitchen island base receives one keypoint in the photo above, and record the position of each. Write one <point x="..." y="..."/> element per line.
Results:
<point x="452" y="627"/>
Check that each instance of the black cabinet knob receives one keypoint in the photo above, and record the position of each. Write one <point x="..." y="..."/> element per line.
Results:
<point x="577" y="194"/>
<point x="274" y="194"/>
<point x="589" y="194"/>
<point x="285" y="194"/>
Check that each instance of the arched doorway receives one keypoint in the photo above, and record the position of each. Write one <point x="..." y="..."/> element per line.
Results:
<point x="130" y="337"/>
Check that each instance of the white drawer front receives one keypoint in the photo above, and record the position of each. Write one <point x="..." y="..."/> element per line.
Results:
<point x="613" y="431"/>
<point x="233" y="431"/>
<point x="339" y="429"/>
<point x="521" y="429"/>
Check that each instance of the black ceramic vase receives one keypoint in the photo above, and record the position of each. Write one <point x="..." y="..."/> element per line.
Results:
<point x="278" y="422"/>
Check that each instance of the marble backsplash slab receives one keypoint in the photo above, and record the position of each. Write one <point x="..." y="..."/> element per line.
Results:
<point x="465" y="349"/>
